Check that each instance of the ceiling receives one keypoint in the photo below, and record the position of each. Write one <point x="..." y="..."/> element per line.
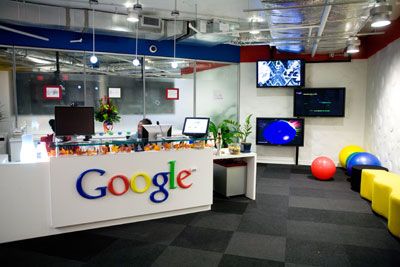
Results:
<point x="308" y="26"/>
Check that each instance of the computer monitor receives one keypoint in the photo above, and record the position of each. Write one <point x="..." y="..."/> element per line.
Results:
<point x="196" y="127"/>
<point x="152" y="132"/>
<point x="74" y="120"/>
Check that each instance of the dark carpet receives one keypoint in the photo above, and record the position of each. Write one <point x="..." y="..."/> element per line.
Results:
<point x="295" y="221"/>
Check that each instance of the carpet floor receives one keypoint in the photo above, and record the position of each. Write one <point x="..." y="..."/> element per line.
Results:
<point x="295" y="221"/>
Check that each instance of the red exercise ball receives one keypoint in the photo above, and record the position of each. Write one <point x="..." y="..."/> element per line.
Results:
<point x="323" y="168"/>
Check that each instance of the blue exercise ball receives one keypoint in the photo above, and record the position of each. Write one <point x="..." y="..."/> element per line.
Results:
<point x="279" y="132"/>
<point x="350" y="157"/>
<point x="362" y="158"/>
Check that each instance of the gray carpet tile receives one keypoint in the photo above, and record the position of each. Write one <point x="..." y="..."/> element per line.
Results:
<point x="217" y="220"/>
<point x="238" y="261"/>
<point x="203" y="238"/>
<point x="329" y="204"/>
<point x="128" y="253"/>
<point x="336" y="217"/>
<point x="312" y="253"/>
<point x="178" y="256"/>
<point x="257" y="246"/>
<point x="149" y="231"/>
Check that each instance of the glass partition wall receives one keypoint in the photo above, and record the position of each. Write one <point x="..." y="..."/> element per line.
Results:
<point x="206" y="89"/>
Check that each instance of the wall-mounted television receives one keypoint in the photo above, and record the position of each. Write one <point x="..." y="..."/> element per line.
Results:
<point x="319" y="102"/>
<point x="280" y="131"/>
<point x="74" y="120"/>
<point x="280" y="73"/>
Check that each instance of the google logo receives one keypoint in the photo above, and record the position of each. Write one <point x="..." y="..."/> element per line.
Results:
<point x="131" y="183"/>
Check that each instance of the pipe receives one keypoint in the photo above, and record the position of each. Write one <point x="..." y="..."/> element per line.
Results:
<point x="304" y="6"/>
<point x="324" y="19"/>
<point x="24" y="33"/>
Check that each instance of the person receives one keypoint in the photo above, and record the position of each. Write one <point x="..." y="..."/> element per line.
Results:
<point x="139" y="133"/>
<point x="49" y="138"/>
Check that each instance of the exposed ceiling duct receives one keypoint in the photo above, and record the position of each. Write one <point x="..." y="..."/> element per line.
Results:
<point x="306" y="26"/>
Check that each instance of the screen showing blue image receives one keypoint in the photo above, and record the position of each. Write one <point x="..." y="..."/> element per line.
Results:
<point x="280" y="131"/>
<point x="280" y="73"/>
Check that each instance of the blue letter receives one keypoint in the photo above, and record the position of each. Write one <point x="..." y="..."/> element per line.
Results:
<point x="162" y="190"/>
<point x="102" y="189"/>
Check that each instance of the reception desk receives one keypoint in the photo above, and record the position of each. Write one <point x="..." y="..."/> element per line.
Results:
<point x="72" y="193"/>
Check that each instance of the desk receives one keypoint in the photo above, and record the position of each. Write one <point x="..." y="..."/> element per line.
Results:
<point x="251" y="160"/>
<point x="41" y="199"/>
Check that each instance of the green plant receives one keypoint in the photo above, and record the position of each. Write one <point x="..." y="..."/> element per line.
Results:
<point x="107" y="111"/>
<point x="226" y="133"/>
<point x="240" y="131"/>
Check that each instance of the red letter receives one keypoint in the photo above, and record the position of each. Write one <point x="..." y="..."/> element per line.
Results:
<point x="182" y="175"/>
<point x="111" y="185"/>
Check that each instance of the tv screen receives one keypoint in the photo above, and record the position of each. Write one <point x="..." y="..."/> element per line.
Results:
<point x="323" y="102"/>
<point x="74" y="121"/>
<point x="280" y="73"/>
<point x="280" y="131"/>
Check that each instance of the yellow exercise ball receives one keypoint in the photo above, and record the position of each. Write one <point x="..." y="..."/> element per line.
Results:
<point x="347" y="151"/>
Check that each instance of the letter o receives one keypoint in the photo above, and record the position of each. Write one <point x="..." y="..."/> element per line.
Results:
<point x="111" y="185"/>
<point x="146" y="179"/>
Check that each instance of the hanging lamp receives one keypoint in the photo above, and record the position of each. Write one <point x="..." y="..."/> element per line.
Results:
<point x="93" y="58"/>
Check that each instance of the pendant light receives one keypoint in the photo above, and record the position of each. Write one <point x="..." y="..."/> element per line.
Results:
<point x="380" y="14"/>
<point x="93" y="58"/>
<point x="136" y="61"/>
<point x="175" y="14"/>
<point x="353" y="45"/>
<point x="133" y="14"/>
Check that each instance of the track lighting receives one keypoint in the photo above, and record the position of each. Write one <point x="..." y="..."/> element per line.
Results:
<point x="380" y="14"/>
<point x="353" y="44"/>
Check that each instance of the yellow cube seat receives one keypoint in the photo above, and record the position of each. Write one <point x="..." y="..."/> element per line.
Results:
<point x="384" y="184"/>
<point x="367" y="182"/>
<point x="394" y="213"/>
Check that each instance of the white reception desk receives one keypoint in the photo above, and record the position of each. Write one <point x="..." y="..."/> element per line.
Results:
<point x="72" y="193"/>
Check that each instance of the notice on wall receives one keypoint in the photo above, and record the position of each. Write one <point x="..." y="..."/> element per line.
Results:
<point x="172" y="94"/>
<point x="114" y="92"/>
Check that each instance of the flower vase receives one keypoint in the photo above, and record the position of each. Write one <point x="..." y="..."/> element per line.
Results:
<point x="107" y="126"/>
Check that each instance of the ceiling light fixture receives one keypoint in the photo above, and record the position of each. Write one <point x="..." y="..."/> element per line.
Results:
<point x="133" y="14"/>
<point x="353" y="44"/>
<point x="254" y="25"/>
<point x="136" y="61"/>
<point x="175" y="14"/>
<point x="93" y="58"/>
<point x="380" y="14"/>
<point x="38" y="60"/>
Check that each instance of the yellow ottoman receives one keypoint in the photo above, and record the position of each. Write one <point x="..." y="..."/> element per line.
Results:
<point x="394" y="213"/>
<point x="367" y="182"/>
<point x="384" y="184"/>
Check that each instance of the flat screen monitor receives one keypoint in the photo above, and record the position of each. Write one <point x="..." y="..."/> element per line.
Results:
<point x="280" y="131"/>
<point x="196" y="127"/>
<point x="155" y="132"/>
<point x="74" y="120"/>
<point x="280" y="73"/>
<point x="322" y="102"/>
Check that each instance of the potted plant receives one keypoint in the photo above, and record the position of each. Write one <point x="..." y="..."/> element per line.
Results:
<point x="107" y="113"/>
<point x="226" y="134"/>
<point x="242" y="132"/>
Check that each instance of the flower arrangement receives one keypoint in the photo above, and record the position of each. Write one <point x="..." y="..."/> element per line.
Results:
<point x="107" y="113"/>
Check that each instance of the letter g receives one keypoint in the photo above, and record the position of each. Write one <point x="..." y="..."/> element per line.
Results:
<point x="102" y="189"/>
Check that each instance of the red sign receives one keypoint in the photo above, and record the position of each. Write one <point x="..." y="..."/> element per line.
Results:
<point x="172" y="93"/>
<point x="52" y="92"/>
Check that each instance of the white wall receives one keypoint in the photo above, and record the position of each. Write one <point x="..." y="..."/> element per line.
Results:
<point x="382" y="131"/>
<point x="323" y="136"/>
<point x="216" y="93"/>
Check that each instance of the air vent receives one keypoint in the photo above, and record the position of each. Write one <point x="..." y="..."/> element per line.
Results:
<point x="150" y="22"/>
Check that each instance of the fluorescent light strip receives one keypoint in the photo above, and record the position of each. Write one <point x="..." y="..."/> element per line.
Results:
<point x="24" y="33"/>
